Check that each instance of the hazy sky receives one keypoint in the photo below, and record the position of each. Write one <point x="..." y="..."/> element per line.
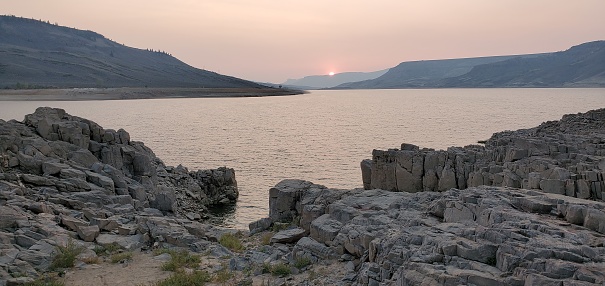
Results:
<point x="272" y="40"/>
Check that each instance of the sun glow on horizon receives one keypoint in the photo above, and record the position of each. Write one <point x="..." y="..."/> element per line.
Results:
<point x="331" y="73"/>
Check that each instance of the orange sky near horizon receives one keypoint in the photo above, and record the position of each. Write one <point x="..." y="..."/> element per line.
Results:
<point x="271" y="41"/>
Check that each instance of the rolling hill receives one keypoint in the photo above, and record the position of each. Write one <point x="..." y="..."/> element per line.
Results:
<point x="39" y="54"/>
<point x="579" y="66"/>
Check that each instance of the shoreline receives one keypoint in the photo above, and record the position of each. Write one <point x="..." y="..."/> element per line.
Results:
<point x="127" y="93"/>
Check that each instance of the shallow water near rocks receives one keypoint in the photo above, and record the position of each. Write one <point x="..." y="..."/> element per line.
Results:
<point x="321" y="136"/>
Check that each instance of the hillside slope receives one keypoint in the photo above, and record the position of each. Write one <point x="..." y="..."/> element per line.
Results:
<point x="35" y="53"/>
<point x="582" y="65"/>
<point x="421" y="73"/>
<point x="579" y="66"/>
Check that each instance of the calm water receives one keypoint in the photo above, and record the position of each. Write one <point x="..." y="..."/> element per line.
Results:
<point x="321" y="136"/>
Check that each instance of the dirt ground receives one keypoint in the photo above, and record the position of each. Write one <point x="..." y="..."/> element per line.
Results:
<point x="143" y="269"/>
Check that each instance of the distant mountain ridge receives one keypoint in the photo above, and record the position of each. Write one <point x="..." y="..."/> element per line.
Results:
<point x="579" y="66"/>
<point x="327" y="81"/>
<point x="39" y="54"/>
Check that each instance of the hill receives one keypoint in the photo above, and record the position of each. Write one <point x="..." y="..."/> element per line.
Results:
<point x="39" y="54"/>
<point x="579" y="66"/>
<point x="327" y="81"/>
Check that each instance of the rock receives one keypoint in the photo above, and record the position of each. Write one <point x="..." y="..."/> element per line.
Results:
<point x="72" y="223"/>
<point x="53" y="168"/>
<point x="288" y="236"/>
<point x="551" y="157"/>
<point x="308" y="246"/>
<point x="37" y="180"/>
<point x="130" y="242"/>
<point x="366" y="173"/>
<point x="260" y="225"/>
<point x="164" y="199"/>
<point x="324" y="229"/>
<point x="283" y="199"/>
<point x="88" y="233"/>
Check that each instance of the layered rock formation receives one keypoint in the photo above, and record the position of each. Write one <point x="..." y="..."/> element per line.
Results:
<point x="478" y="236"/>
<point x="525" y="209"/>
<point x="564" y="157"/>
<point x="63" y="177"/>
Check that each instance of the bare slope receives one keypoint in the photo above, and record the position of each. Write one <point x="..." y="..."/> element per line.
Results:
<point x="35" y="53"/>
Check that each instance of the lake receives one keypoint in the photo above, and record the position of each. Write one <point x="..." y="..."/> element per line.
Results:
<point x="321" y="136"/>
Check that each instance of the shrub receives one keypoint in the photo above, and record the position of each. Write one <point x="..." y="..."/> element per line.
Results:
<point x="196" y="278"/>
<point x="119" y="257"/>
<point x="232" y="242"/>
<point x="65" y="256"/>
<point x="107" y="249"/>
<point x="280" y="270"/>
<point x="181" y="259"/>
<point x="302" y="262"/>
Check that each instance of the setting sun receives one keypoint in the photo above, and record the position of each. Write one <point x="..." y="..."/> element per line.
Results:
<point x="331" y="73"/>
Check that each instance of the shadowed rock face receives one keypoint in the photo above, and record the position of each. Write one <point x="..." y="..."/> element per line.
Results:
<point x="564" y="157"/>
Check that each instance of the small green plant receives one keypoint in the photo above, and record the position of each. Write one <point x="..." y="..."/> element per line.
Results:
<point x="280" y="269"/>
<point x="302" y="262"/>
<point x="266" y="268"/>
<point x="232" y="242"/>
<point x="160" y="251"/>
<point x="119" y="257"/>
<point x="196" y="278"/>
<point x="279" y="226"/>
<point x="65" y="256"/>
<point x="181" y="259"/>
<point x="265" y="239"/>
<point x="107" y="249"/>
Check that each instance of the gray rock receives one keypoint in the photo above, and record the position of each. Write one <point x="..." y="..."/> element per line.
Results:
<point x="88" y="233"/>
<point x="260" y="225"/>
<point x="288" y="236"/>
<point x="324" y="229"/>
<point x="308" y="245"/>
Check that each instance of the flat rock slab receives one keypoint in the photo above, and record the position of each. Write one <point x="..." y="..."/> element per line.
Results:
<point x="288" y="236"/>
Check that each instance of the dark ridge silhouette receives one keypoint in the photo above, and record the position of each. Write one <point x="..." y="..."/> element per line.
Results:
<point x="579" y="66"/>
<point x="37" y="54"/>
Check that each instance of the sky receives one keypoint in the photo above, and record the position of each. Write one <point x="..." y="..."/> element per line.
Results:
<point x="274" y="40"/>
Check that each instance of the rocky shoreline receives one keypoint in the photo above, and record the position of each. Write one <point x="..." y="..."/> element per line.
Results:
<point x="525" y="209"/>
<point x="126" y="93"/>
